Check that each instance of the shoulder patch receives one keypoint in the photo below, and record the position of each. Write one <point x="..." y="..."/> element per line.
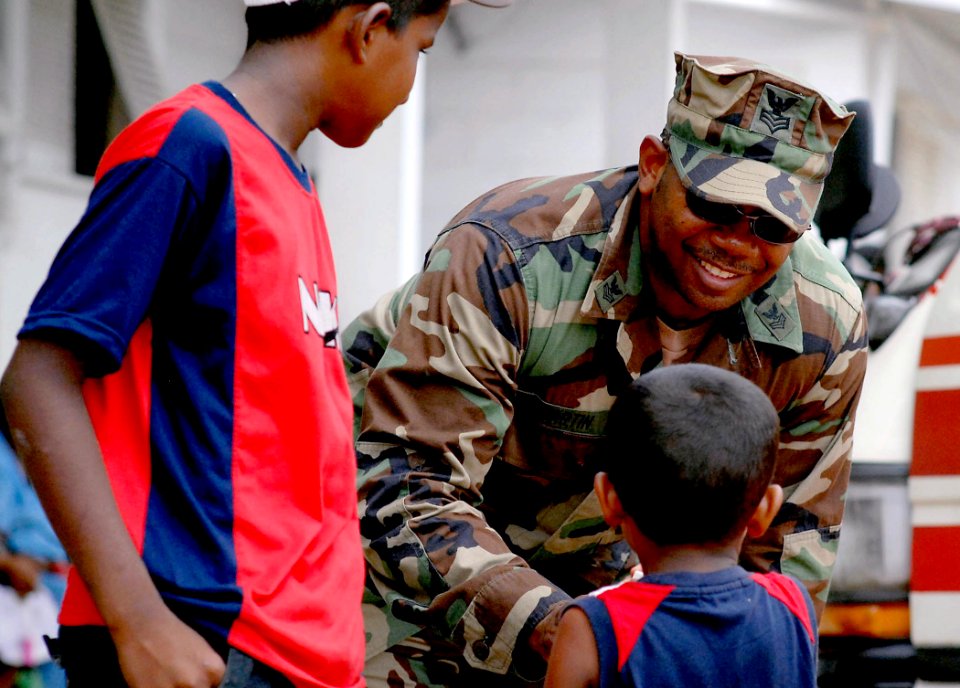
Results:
<point x="775" y="318"/>
<point x="610" y="291"/>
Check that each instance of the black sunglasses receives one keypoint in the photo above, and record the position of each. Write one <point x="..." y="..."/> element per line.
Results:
<point x="765" y="227"/>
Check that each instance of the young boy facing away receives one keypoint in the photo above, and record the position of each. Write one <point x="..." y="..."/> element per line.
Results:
<point x="177" y="393"/>
<point x="692" y="450"/>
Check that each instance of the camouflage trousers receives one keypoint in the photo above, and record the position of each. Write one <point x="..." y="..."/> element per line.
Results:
<point x="418" y="663"/>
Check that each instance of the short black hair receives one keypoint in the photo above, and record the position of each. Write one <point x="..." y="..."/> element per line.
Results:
<point x="280" y="21"/>
<point x="691" y="449"/>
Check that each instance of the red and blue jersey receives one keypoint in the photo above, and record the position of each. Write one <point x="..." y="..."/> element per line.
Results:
<point x="725" y="628"/>
<point x="198" y="289"/>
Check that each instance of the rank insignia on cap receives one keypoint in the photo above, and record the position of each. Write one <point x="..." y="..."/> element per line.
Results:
<point x="610" y="291"/>
<point x="776" y="319"/>
<point x="778" y="111"/>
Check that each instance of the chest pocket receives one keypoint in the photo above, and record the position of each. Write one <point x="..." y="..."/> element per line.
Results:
<point x="553" y="441"/>
<point x="558" y="441"/>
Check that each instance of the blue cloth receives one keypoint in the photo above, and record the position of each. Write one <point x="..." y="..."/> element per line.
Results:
<point x="26" y="530"/>
<point x="23" y="523"/>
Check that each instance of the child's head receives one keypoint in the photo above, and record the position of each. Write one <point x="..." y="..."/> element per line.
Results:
<point x="691" y="453"/>
<point x="344" y="65"/>
<point x="273" y="20"/>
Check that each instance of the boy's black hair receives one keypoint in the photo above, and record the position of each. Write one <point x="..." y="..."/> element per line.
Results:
<point x="691" y="451"/>
<point x="280" y="21"/>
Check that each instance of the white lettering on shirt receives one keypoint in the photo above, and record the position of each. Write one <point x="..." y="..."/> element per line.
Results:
<point x="319" y="310"/>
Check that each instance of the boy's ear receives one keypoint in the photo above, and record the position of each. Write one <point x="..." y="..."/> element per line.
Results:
<point x="609" y="500"/>
<point x="364" y="27"/>
<point x="766" y="510"/>
<point x="653" y="161"/>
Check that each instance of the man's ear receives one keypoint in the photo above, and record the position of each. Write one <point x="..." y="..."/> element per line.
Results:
<point x="766" y="510"/>
<point x="609" y="500"/>
<point x="365" y="27"/>
<point x="653" y="161"/>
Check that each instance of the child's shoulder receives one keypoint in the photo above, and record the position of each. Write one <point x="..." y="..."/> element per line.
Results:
<point x="792" y="593"/>
<point x="780" y="584"/>
<point x="629" y="596"/>
<point x="181" y="130"/>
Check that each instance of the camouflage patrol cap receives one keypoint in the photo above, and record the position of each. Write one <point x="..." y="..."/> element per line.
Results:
<point x="739" y="132"/>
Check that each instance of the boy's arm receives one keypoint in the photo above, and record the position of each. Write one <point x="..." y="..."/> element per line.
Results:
<point x="41" y="394"/>
<point x="573" y="662"/>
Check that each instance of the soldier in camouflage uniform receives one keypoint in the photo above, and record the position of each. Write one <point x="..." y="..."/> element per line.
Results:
<point x="482" y="385"/>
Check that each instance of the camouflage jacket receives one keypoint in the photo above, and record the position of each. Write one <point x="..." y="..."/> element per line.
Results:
<point x="482" y="387"/>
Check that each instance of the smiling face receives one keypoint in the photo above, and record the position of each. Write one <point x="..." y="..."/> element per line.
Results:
<point x="695" y="267"/>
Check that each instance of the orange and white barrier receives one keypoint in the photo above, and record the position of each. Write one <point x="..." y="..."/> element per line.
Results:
<point x="934" y="483"/>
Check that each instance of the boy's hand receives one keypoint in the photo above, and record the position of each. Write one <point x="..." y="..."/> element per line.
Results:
<point x="22" y="571"/>
<point x="574" y="662"/>
<point x="42" y="394"/>
<point x="541" y="640"/>
<point x="163" y="652"/>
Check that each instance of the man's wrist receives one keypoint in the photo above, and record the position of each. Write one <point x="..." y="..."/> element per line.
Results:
<point x="535" y="643"/>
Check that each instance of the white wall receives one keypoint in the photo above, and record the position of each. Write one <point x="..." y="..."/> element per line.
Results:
<point x="49" y="85"/>
<point x="521" y="95"/>
<point x="365" y="194"/>
<point x="200" y="40"/>
<point x="545" y="87"/>
<point x="46" y="199"/>
<point x="928" y="115"/>
<point x="825" y="50"/>
<point x="47" y="209"/>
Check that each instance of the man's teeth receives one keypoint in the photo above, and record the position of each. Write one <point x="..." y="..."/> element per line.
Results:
<point x="717" y="272"/>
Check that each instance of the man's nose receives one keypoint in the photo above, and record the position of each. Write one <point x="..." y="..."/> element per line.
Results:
<point x="737" y="236"/>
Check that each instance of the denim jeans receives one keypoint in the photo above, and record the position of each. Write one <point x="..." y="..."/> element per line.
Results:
<point x="89" y="658"/>
<point x="243" y="671"/>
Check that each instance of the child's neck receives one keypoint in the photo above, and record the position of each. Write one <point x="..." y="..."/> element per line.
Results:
<point x="280" y="108"/>
<point x="693" y="558"/>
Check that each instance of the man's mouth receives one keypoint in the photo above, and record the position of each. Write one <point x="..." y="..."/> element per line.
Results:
<point x="715" y="270"/>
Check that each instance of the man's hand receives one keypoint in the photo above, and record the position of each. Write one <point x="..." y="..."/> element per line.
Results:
<point x="160" y="651"/>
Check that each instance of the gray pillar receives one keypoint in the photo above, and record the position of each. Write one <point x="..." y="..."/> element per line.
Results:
<point x="371" y="199"/>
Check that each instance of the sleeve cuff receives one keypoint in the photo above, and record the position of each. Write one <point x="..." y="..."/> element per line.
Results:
<point x="500" y="620"/>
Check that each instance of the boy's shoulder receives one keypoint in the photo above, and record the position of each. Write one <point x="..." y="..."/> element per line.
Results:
<point x="193" y="118"/>
<point x="792" y="594"/>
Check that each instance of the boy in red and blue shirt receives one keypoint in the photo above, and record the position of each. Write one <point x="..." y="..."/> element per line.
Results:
<point x="691" y="454"/>
<point x="177" y="393"/>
